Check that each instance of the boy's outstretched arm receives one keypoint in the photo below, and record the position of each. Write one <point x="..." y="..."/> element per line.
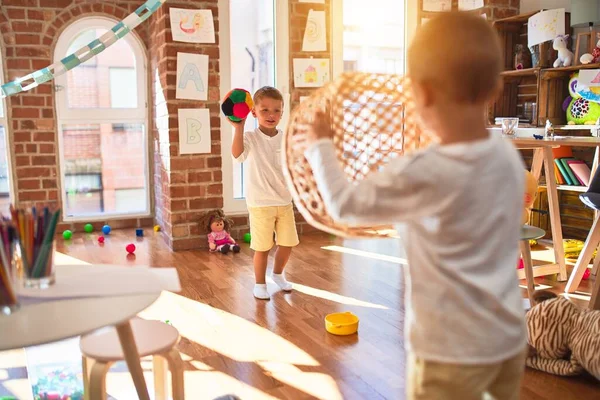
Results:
<point x="404" y="189"/>
<point x="394" y="194"/>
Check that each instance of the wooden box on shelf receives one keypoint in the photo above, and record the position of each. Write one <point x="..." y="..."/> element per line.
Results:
<point x="553" y="91"/>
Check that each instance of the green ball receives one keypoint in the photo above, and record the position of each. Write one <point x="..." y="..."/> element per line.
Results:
<point x="67" y="234"/>
<point x="88" y="228"/>
<point x="247" y="237"/>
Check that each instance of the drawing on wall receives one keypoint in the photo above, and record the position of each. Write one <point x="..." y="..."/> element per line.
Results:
<point x="192" y="26"/>
<point x="192" y="76"/>
<point x="314" y="33"/>
<point x="194" y="130"/>
<point x="437" y="5"/>
<point x="311" y="72"/>
<point x="545" y="25"/>
<point x="466" y="5"/>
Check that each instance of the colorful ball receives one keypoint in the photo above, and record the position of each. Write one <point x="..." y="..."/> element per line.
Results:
<point x="101" y="239"/>
<point x="67" y="234"/>
<point x="586" y="274"/>
<point x="106" y="229"/>
<point x="247" y="237"/>
<point x="237" y="104"/>
<point x="88" y="228"/>
<point x="130" y="248"/>
<point x="156" y="228"/>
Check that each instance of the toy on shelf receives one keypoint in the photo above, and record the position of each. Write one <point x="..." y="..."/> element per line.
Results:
<point x="106" y="229"/>
<point x="581" y="111"/>
<point x="217" y="226"/>
<point x="67" y="234"/>
<point x="563" y="338"/>
<point x="594" y="57"/>
<point x="237" y="104"/>
<point x="565" y="56"/>
<point x="130" y="248"/>
<point x="88" y="228"/>
<point x="522" y="57"/>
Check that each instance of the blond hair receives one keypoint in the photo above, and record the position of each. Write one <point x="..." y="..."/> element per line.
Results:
<point x="268" y="92"/>
<point x="458" y="53"/>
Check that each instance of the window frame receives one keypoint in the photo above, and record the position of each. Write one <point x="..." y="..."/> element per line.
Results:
<point x="232" y="205"/>
<point x="337" y="32"/>
<point x="7" y="136"/>
<point x="82" y="116"/>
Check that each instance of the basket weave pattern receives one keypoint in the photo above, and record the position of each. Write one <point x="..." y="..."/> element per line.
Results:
<point x="373" y="120"/>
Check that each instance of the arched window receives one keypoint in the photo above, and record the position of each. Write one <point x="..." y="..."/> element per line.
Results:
<point x="5" y="176"/>
<point x="103" y="121"/>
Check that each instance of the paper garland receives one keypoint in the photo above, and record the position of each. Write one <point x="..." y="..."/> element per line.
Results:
<point x="92" y="49"/>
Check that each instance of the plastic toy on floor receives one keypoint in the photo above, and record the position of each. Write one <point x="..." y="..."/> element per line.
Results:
<point x="563" y="338"/>
<point x="217" y="227"/>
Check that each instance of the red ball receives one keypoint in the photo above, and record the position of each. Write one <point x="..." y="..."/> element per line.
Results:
<point x="101" y="239"/>
<point x="241" y="110"/>
<point x="130" y="248"/>
<point x="586" y="274"/>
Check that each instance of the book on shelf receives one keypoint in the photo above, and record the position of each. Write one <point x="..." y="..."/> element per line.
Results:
<point x="569" y="170"/>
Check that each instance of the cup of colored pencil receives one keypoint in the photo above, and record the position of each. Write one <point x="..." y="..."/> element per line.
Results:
<point x="29" y="245"/>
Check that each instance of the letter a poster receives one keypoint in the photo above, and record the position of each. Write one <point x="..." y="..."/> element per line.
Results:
<point x="192" y="76"/>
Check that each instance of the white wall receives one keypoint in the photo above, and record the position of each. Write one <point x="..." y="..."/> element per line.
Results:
<point x="534" y="5"/>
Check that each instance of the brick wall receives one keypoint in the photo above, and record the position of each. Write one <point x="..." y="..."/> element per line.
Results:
<point x="29" y="31"/>
<point x="497" y="9"/>
<point x="185" y="185"/>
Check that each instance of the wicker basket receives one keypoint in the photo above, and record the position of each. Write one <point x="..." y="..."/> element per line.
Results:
<point x="373" y="120"/>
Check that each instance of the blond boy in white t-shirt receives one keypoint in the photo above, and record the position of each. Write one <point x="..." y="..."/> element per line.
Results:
<point x="459" y="203"/>
<point x="268" y="198"/>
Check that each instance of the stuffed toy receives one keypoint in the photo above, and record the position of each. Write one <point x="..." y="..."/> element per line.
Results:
<point x="217" y="227"/>
<point x="563" y="338"/>
<point x="531" y="187"/>
<point x="588" y="58"/>
<point x="522" y="57"/>
<point x="565" y="56"/>
<point x="581" y="111"/>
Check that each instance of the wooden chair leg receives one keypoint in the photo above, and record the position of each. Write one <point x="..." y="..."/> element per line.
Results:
<point x="584" y="258"/>
<point x="161" y="379"/>
<point x="132" y="358"/>
<point x="528" y="266"/>
<point x="97" y="379"/>
<point x="86" y="365"/>
<point x="176" y="366"/>
<point x="596" y="262"/>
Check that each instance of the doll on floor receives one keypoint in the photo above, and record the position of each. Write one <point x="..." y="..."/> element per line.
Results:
<point x="217" y="227"/>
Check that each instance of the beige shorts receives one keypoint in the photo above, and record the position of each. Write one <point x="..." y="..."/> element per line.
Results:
<point x="443" y="381"/>
<point x="266" y="220"/>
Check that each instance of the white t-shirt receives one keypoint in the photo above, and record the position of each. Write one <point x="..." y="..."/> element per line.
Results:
<point x="458" y="209"/>
<point x="262" y="154"/>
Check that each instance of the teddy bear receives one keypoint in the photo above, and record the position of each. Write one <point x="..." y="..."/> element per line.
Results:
<point x="217" y="227"/>
<point x="565" y="56"/>
<point x="563" y="339"/>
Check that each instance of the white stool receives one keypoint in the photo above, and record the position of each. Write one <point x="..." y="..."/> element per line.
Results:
<point x="102" y="348"/>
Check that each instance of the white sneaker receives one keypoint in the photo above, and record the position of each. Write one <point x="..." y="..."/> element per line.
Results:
<point x="280" y="280"/>
<point x="260" y="291"/>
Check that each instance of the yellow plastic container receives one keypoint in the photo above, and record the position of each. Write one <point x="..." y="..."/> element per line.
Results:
<point x="344" y="323"/>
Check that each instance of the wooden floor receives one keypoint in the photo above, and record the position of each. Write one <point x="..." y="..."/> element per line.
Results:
<point x="233" y="343"/>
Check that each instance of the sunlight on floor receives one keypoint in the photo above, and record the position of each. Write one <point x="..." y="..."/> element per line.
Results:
<point x="368" y="254"/>
<point x="317" y="384"/>
<point x="226" y="339"/>
<point x="338" y="298"/>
